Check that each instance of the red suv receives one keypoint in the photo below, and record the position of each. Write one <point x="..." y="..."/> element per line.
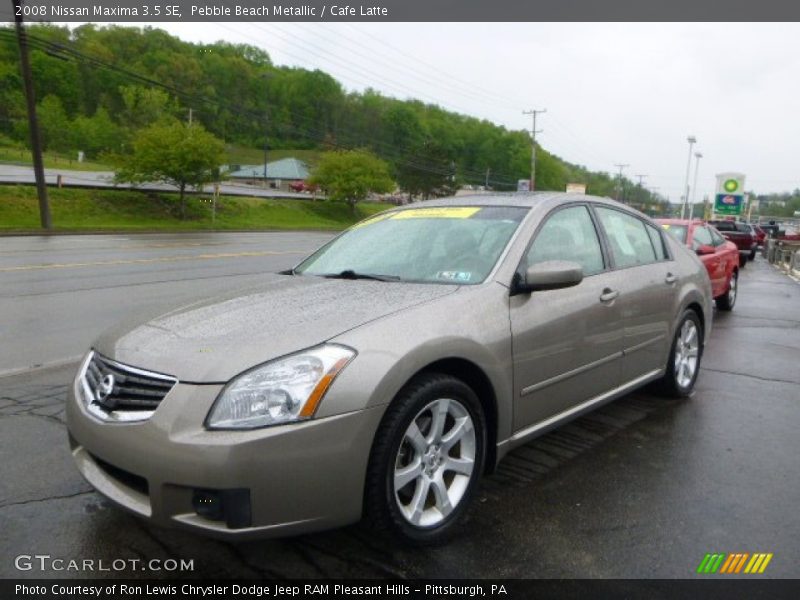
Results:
<point x="720" y="256"/>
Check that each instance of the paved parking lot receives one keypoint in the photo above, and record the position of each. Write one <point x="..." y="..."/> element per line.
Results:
<point x="643" y="487"/>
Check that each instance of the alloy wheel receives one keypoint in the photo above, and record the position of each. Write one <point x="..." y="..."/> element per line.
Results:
<point x="733" y="289"/>
<point x="686" y="353"/>
<point x="435" y="462"/>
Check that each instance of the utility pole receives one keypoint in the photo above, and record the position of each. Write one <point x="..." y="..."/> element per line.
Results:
<point x="619" y="179"/>
<point x="534" y="131"/>
<point x="639" y="193"/>
<point x="266" y="147"/>
<point x="190" y="117"/>
<point x="486" y="185"/>
<point x="33" y="123"/>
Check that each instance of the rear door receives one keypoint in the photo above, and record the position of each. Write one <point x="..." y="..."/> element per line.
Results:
<point x="566" y="343"/>
<point x="647" y="289"/>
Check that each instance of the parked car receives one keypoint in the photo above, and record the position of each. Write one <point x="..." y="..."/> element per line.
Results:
<point x="741" y="235"/>
<point x="761" y="235"/>
<point x="384" y="374"/>
<point x="302" y="186"/>
<point x="720" y="256"/>
<point x="771" y="229"/>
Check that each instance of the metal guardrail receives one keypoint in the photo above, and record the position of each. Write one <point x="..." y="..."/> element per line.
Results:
<point x="784" y="254"/>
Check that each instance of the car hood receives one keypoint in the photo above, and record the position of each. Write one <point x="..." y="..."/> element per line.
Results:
<point x="217" y="338"/>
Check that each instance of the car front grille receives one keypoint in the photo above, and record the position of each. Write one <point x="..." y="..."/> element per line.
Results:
<point x="116" y="392"/>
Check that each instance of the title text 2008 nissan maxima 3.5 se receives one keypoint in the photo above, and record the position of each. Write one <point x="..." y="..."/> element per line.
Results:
<point x="390" y="369"/>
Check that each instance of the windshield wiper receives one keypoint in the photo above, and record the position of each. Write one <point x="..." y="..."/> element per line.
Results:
<point x="351" y="274"/>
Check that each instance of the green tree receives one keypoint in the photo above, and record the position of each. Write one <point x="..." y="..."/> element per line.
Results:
<point x="144" y="106"/>
<point x="55" y="125"/>
<point x="431" y="171"/>
<point x="96" y="134"/>
<point x="175" y="153"/>
<point x="351" y="175"/>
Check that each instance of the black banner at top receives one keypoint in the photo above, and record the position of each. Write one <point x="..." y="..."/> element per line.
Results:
<point x="176" y="11"/>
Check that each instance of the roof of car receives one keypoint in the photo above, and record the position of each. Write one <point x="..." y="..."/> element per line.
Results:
<point x="521" y="199"/>
<point x="680" y="221"/>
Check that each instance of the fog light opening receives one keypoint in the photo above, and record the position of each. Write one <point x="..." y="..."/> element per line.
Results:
<point x="230" y="506"/>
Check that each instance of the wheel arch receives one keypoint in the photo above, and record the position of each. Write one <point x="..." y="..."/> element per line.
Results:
<point x="472" y="375"/>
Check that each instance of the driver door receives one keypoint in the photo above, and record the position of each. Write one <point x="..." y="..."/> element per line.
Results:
<point x="567" y="343"/>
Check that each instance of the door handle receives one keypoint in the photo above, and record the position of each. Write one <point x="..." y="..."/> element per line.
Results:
<point x="608" y="295"/>
<point x="670" y="278"/>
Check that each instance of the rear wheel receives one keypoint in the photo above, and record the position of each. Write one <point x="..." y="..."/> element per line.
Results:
<point x="742" y="261"/>
<point x="426" y="460"/>
<point x="727" y="300"/>
<point x="684" y="357"/>
<point x="752" y="254"/>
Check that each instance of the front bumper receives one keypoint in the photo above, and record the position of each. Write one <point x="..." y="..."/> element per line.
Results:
<point x="299" y="477"/>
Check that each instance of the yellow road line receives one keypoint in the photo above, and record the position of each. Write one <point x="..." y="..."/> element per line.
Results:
<point x="139" y="261"/>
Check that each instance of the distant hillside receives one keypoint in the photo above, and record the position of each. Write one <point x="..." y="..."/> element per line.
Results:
<point x="96" y="86"/>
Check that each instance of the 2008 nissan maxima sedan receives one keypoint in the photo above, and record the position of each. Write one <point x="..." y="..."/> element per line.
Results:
<point x="390" y="369"/>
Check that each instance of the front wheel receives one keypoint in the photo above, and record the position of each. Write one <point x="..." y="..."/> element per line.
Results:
<point x="427" y="457"/>
<point x="727" y="300"/>
<point x="684" y="358"/>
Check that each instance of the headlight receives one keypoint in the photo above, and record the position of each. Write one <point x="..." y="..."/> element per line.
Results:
<point x="281" y="391"/>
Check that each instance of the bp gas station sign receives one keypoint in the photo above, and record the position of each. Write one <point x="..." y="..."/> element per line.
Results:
<point x="729" y="198"/>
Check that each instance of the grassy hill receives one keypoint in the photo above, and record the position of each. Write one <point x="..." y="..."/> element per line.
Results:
<point x="121" y="210"/>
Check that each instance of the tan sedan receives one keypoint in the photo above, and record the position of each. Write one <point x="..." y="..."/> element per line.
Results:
<point x="390" y="369"/>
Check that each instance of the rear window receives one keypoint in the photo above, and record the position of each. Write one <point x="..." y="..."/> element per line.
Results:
<point x="724" y="225"/>
<point x="679" y="231"/>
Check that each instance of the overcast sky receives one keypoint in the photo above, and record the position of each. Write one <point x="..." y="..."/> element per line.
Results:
<point x="614" y="93"/>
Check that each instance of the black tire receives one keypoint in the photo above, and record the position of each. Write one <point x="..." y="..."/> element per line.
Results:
<point x="742" y="261"/>
<point x="381" y="504"/>
<point x="728" y="299"/>
<point x="752" y="255"/>
<point x="670" y="384"/>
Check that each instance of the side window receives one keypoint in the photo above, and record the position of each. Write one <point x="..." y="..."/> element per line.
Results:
<point x="701" y="237"/>
<point x="658" y="242"/>
<point x="569" y="234"/>
<point x="716" y="239"/>
<point x="628" y="237"/>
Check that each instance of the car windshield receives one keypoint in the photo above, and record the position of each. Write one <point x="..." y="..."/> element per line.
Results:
<point x="453" y="244"/>
<point x="679" y="231"/>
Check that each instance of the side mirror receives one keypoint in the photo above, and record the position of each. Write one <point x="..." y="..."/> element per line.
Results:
<point x="550" y="275"/>
<point x="704" y="249"/>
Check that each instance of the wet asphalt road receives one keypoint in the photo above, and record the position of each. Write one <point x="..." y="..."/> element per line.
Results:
<point x="57" y="293"/>
<point x="644" y="487"/>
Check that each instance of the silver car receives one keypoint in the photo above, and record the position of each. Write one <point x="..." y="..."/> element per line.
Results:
<point x="389" y="370"/>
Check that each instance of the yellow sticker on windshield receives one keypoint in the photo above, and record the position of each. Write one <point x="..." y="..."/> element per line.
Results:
<point x="371" y="220"/>
<point x="444" y="212"/>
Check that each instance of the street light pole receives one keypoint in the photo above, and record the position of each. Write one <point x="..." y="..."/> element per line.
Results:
<point x="692" y="140"/>
<point x="697" y="156"/>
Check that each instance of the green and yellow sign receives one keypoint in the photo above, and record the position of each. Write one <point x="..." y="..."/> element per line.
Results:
<point x="729" y="198"/>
